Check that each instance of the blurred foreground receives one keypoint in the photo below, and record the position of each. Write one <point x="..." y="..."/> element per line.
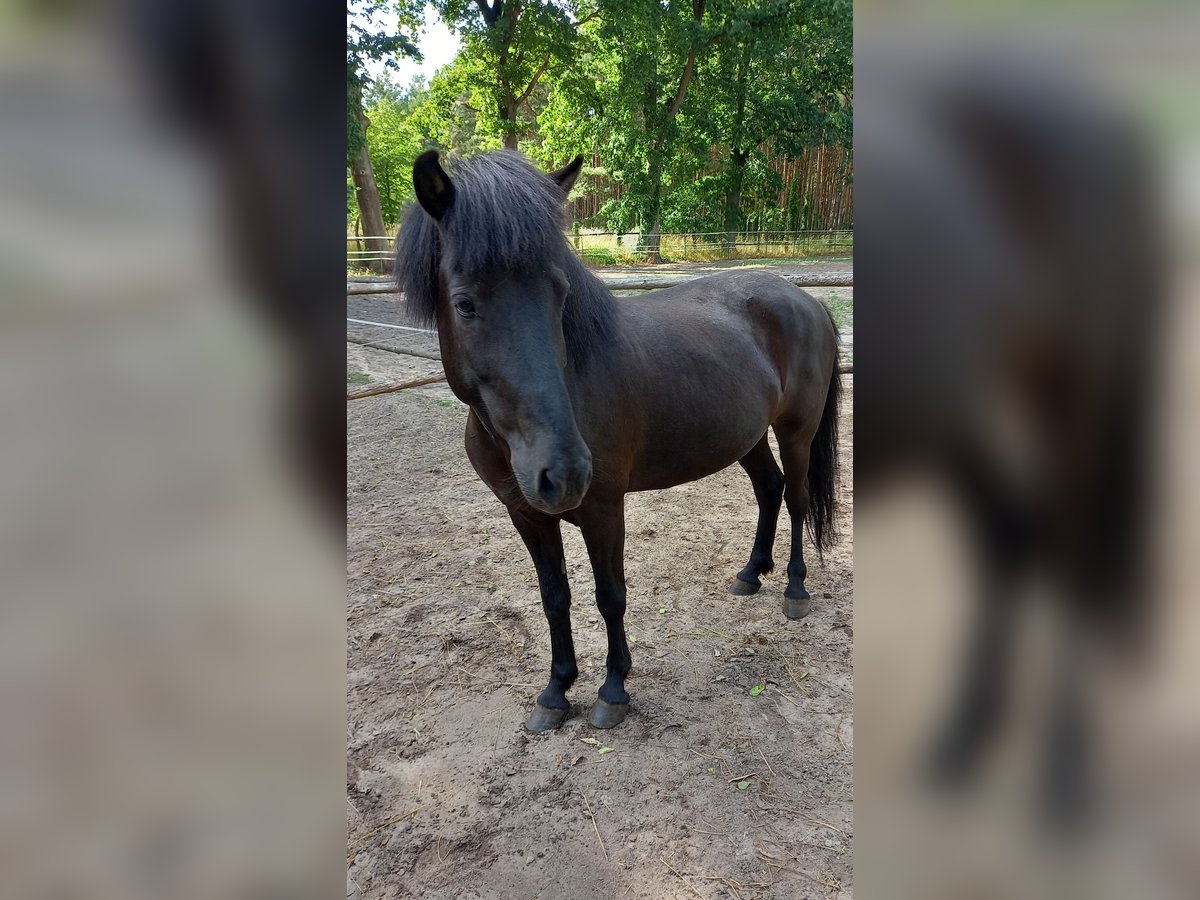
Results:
<point x="1026" y="431"/>
<point x="172" y="583"/>
<point x="1027" y="388"/>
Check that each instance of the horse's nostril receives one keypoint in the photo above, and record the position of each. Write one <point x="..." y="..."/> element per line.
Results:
<point x="546" y="486"/>
<point x="561" y="483"/>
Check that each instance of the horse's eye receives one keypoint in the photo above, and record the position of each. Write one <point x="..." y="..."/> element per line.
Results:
<point x="465" y="308"/>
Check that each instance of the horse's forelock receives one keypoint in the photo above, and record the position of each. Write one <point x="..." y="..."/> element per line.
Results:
<point x="507" y="215"/>
<point x="418" y="255"/>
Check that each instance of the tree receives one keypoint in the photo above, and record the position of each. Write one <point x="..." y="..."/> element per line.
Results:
<point x="454" y="115"/>
<point x="695" y="111"/>
<point x="395" y="142"/>
<point x="779" y="76"/>
<point x="367" y="39"/>
<point x="642" y="58"/>
<point x="508" y="47"/>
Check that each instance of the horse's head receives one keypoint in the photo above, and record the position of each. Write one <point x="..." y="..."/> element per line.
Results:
<point x="501" y="286"/>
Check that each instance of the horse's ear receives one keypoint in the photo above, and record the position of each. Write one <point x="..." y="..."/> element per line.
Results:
<point x="435" y="190"/>
<point x="567" y="174"/>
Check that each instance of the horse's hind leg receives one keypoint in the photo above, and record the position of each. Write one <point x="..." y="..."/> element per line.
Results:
<point x="543" y="536"/>
<point x="794" y="446"/>
<point x="767" y="479"/>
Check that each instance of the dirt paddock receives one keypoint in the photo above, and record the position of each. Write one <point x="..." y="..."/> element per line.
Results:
<point x="711" y="787"/>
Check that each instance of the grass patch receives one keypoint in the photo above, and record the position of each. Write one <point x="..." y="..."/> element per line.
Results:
<point x="610" y="256"/>
<point x="598" y="256"/>
<point x="454" y="408"/>
<point x="358" y="378"/>
<point x="602" y="249"/>
<point x="843" y="311"/>
<point x="798" y="250"/>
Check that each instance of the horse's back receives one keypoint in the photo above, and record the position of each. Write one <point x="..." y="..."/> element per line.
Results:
<point x="769" y="305"/>
<point x="711" y="364"/>
<point x="791" y="327"/>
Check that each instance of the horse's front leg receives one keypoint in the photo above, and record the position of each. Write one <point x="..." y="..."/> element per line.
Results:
<point x="543" y="536"/>
<point x="604" y="535"/>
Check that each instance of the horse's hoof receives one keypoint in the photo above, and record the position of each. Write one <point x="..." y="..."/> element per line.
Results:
<point x="741" y="588"/>
<point x="797" y="607"/>
<point x="606" y="715"/>
<point x="544" y="719"/>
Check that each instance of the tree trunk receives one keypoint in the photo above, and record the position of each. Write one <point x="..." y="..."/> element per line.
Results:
<point x="508" y="119"/>
<point x="662" y="149"/>
<point x="366" y="192"/>
<point x="737" y="159"/>
<point x="654" y="241"/>
<point x="733" y="198"/>
<point x="650" y="241"/>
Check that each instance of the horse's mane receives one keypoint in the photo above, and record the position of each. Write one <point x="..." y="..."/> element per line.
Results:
<point x="506" y="215"/>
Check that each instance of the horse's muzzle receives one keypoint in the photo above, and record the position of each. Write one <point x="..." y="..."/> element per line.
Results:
<point x="562" y="485"/>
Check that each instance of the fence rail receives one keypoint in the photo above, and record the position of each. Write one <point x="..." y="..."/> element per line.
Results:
<point x="629" y="282"/>
<point x="364" y="251"/>
<point x="847" y="232"/>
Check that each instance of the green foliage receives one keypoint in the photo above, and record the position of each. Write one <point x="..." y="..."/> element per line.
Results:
<point x="687" y="105"/>
<point x="396" y="140"/>
<point x="508" y="46"/>
<point x="598" y="256"/>
<point x="643" y="61"/>
<point x="455" y="115"/>
<point x="366" y="40"/>
<point x="777" y="79"/>
<point x="793" y="208"/>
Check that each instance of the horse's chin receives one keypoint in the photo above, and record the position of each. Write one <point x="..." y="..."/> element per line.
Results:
<point x="565" y="506"/>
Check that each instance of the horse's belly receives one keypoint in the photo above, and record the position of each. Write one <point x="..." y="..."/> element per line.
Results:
<point x="676" y="453"/>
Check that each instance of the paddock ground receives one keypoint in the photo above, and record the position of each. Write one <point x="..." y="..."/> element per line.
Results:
<point x="705" y="790"/>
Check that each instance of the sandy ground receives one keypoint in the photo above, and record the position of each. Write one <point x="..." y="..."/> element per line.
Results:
<point x="705" y="790"/>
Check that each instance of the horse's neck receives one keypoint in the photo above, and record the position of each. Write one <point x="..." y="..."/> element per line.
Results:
<point x="598" y="323"/>
<point x="595" y="287"/>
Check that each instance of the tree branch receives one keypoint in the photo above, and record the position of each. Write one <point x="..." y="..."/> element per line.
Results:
<point x="512" y="23"/>
<point x="689" y="69"/>
<point x="508" y="36"/>
<point x="490" y="13"/>
<point x="685" y="82"/>
<point x="536" y="77"/>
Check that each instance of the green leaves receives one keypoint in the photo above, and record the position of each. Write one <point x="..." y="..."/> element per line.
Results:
<point x="395" y="141"/>
<point x="774" y="83"/>
<point x="600" y="748"/>
<point x="691" y="117"/>
<point x="369" y="38"/>
<point x="508" y="49"/>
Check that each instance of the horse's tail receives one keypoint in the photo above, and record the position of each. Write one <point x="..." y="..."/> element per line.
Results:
<point x="823" y="465"/>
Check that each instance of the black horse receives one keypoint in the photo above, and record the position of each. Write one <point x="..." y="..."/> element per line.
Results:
<point x="577" y="398"/>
